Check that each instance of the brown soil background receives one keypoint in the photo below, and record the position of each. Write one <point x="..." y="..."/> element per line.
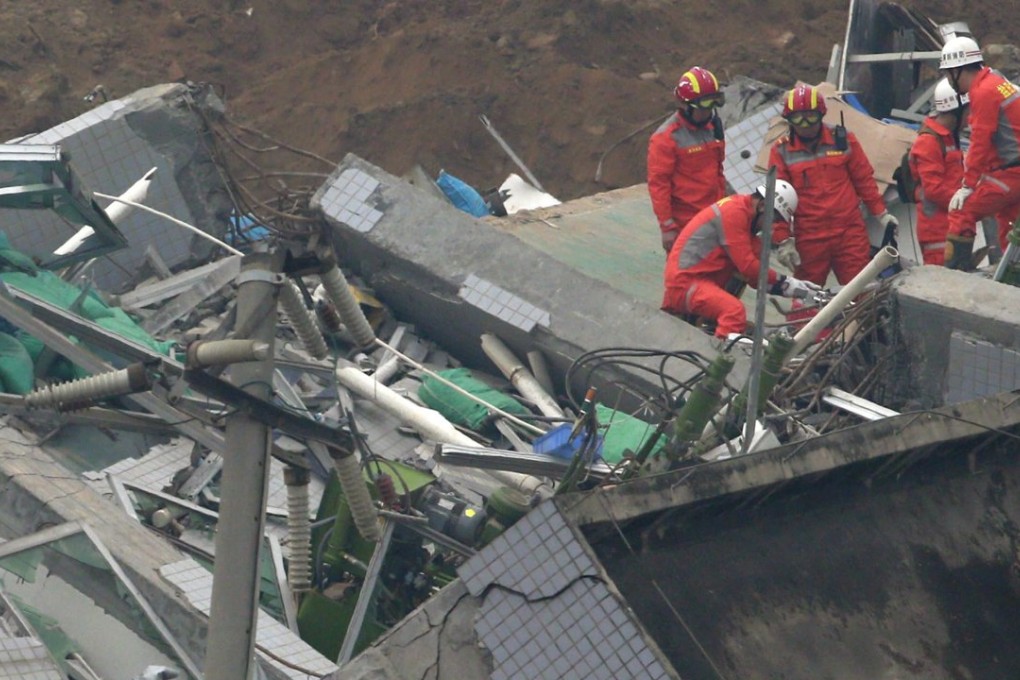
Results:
<point x="404" y="82"/>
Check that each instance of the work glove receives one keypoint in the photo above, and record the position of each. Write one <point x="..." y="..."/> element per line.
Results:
<point x="892" y="229"/>
<point x="787" y="255"/>
<point x="889" y="222"/>
<point x="669" y="238"/>
<point x="961" y="195"/>
<point x="791" y="287"/>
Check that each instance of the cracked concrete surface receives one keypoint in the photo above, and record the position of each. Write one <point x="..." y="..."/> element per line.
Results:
<point x="436" y="641"/>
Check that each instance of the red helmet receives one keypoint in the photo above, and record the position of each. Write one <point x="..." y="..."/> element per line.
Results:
<point x="696" y="84"/>
<point x="803" y="98"/>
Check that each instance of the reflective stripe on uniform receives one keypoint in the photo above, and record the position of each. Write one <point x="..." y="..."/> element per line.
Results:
<point x="706" y="238"/>
<point x="992" y="180"/>
<point x="687" y="298"/>
<point x="686" y="138"/>
<point x="792" y="158"/>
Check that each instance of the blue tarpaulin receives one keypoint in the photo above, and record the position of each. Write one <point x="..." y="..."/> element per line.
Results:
<point x="462" y="194"/>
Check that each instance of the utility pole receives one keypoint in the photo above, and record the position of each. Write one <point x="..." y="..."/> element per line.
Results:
<point x="244" y="485"/>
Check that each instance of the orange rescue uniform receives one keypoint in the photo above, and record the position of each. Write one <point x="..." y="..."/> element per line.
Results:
<point x="714" y="246"/>
<point x="992" y="163"/>
<point x="831" y="183"/>
<point x="936" y="162"/>
<point x="685" y="170"/>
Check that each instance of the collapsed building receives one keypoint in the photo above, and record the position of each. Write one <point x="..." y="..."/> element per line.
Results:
<point x="390" y="506"/>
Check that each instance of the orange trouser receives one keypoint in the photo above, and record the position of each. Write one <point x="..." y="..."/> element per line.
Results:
<point x="707" y="299"/>
<point x="997" y="194"/>
<point x="934" y="252"/>
<point x="845" y="254"/>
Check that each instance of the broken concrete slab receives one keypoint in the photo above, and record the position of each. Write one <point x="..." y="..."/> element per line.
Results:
<point x="959" y="334"/>
<point x="113" y="145"/>
<point x="456" y="277"/>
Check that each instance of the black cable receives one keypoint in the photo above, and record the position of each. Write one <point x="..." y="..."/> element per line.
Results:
<point x="584" y="368"/>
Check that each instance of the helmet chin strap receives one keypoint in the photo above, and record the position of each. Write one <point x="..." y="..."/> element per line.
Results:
<point x="796" y="131"/>
<point x="686" y="113"/>
<point x="954" y="79"/>
<point x="756" y="222"/>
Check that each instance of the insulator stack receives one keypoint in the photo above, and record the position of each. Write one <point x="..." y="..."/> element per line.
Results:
<point x="329" y="317"/>
<point x="348" y="470"/>
<point x="82" y="393"/>
<point x="302" y="321"/>
<point x="339" y="293"/>
<point x="387" y="491"/>
<point x="299" y="530"/>
<point x="202" y="353"/>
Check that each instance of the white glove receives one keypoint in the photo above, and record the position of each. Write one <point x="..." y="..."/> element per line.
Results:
<point x="887" y="220"/>
<point x="787" y="255"/>
<point x="796" y="288"/>
<point x="961" y="195"/>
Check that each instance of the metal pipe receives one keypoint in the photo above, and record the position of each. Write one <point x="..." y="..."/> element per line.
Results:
<point x="510" y="152"/>
<point x="302" y="321"/>
<point x="806" y="335"/>
<point x="428" y="423"/>
<point x="299" y="530"/>
<point x="759" y="307"/>
<point x="540" y="369"/>
<point x="366" y="596"/>
<point x="519" y="375"/>
<point x="244" y="487"/>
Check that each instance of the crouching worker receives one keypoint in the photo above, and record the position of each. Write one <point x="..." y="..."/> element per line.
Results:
<point x="718" y="242"/>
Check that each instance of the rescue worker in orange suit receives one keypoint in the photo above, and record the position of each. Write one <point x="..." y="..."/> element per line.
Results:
<point x="685" y="155"/>
<point x="828" y="168"/>
<point x="718" y="243"/>
<point x="936" y="162"/>
<point x="991" y="177"/>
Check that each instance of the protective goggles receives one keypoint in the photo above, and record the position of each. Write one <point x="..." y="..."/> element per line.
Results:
<point x="805" y="118"/>
<point x="710" y="102"/>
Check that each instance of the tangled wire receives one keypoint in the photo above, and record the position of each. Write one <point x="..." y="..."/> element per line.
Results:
<point x="250" y="164"/>
<point x="853" y="357"/>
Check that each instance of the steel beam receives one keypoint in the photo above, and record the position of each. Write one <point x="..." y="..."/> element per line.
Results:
<point x="243" y="489"/>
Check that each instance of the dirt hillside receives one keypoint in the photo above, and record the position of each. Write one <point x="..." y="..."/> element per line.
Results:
<point x="404" y="82"/>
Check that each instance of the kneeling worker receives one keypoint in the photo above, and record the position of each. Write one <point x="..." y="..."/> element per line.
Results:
<point x="717" y="243"/>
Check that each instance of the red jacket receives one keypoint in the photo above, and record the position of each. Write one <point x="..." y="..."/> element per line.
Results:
<point x="830" y="183"/>
<point x="994" y="125"/>
<point x="937" y="163"/>
<point x="716" y="244"/>
<point x="685" y="170"/>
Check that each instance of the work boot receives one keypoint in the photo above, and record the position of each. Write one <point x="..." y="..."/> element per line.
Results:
<point x="959" y="252"/>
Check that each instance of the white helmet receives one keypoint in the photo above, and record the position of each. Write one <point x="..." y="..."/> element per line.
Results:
<point x="946" y="98"/>
<point x="960" y="51"/>
<point x="786" y="199"/>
